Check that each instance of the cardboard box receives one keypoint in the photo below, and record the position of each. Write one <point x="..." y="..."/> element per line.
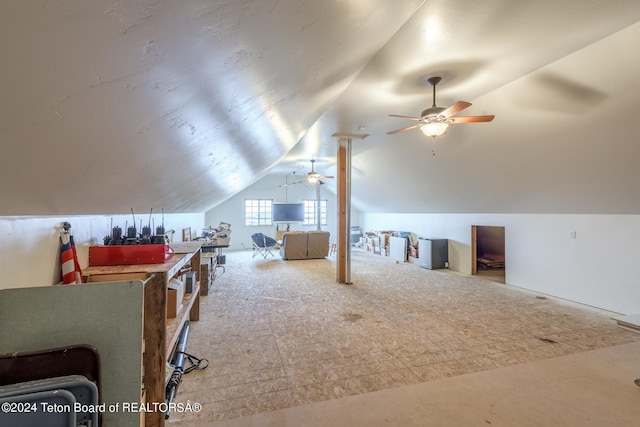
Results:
<point x="222" y="241"/>
<point x="175" y="295"/>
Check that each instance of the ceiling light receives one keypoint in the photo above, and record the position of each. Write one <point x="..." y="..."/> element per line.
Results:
<point x="434" y="129"/>
<point x="313" y="177"/>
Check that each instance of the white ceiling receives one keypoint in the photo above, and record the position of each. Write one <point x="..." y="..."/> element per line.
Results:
<point x="118" y="105"/>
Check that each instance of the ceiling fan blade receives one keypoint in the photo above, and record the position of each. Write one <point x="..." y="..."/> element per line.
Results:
<point x="471" y="119"/>
<point x="405" y="117"/>
<point x="325" y="177"/>
<point x="455" y="108"/>
<point x="403" y="129"/>
<point x="292" y="183"/>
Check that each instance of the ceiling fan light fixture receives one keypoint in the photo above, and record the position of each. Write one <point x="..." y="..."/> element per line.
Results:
<point x="434" y="129"/>
<point x="313" y="177"/>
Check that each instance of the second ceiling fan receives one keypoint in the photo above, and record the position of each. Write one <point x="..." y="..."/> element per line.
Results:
<point x="435" y="120"/>
<point x="313" y="176"/>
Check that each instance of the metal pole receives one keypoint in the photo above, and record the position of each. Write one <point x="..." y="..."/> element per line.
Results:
<point x="348" y="217"/>
<point x="318" y="208"/>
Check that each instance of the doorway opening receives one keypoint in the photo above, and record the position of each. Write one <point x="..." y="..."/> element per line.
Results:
<point x="488" y="252"/>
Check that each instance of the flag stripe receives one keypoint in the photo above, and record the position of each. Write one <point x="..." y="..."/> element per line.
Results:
<point x="71" y="272"/>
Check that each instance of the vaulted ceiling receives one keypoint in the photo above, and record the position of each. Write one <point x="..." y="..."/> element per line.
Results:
<point x="122" y="104"/>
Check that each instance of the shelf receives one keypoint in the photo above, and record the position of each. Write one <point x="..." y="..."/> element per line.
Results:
<point x="160" y="334"/>
<point x="174" y="325"/>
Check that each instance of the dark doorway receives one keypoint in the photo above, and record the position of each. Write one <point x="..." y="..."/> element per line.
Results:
<point x="488" y="252"/>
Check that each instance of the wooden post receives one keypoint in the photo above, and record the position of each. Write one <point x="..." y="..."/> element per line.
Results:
<point x="341" y="258"/>
<point x="474" y="250"/>
<point x="343" y="264"/>
<point x="194" y="313"/>
<point x="155" y="324"/>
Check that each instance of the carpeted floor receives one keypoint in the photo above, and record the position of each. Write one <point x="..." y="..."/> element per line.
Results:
<point x="280" y="333"/>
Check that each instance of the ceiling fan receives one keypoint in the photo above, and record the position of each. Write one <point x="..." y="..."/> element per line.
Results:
<point x="313" y="176"/>
<point x="434" y="121"/>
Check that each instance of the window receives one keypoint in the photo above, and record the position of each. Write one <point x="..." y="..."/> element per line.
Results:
<point x="257" y="212"/>
<point x="311" y="212"/>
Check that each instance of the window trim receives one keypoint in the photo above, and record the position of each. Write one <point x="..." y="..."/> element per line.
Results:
<point x="323" y="218"/>
<point x="260" y="209"/>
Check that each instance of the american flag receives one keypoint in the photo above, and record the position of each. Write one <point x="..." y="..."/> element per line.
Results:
<point x="71" y="272"/>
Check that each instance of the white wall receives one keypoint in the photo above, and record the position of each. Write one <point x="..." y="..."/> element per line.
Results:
<point x="589" y="259"/>
<point x="597" y="267"/>
<point x="30" y="251"/>
<point x="269" y="187"/>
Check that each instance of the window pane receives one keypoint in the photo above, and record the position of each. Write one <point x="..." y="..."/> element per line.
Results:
<point x="311" y="212"/>
<point x="257" y="212"/>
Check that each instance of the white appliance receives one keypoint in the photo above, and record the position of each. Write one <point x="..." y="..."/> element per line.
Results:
<point x="433" y="253"/>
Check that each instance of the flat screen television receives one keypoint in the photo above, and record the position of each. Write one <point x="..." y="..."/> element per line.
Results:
<point x="288" y="212"/>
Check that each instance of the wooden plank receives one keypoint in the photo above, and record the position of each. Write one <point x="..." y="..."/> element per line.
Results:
<point x="155" y="321"/>
<point x="174" y="326"/>
<point x="116" y="277"/>
<point x="183" y="260"/>
<point x="194" y="313"/>
<point x="474" y="250"/>
<point x="185" y="247"/>
<point x="177" y="259"/>
<point x="196" y="259"/>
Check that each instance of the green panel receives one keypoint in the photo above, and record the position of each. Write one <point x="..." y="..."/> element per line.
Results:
<point x="108" y="316"/>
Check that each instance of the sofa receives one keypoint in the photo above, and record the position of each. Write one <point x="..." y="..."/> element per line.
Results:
<point x="304" y="244"/>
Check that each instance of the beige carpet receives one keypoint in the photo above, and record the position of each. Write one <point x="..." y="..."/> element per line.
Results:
<point x="281" y="334"/>
<point x="592" y="388"/>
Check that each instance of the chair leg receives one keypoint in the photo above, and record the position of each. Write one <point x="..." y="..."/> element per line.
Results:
<point x="263" y="250"/>
<point x="332" y="249"/>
